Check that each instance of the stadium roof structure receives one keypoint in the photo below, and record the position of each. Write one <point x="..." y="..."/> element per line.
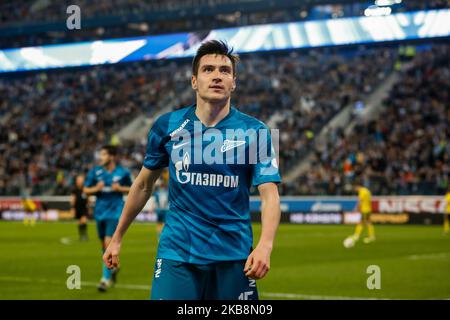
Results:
<point x="282" y="36"/>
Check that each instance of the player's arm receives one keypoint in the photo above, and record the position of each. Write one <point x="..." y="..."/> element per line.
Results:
<point x="140" y="192"/>
<point x="91" y="185"/>
<point x="258" y="263"/>
<point x="125" y="185"/>
<point x="119" y="188"/>
<point x="95" y="189"/>
<point x="72" y="204"/>
<point x="358" y="204"/>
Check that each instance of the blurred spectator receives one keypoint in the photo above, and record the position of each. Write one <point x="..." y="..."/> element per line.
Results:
<point x="52" y="122"/>
<point x="406" y="150"/>
<point x="22" y="12"/>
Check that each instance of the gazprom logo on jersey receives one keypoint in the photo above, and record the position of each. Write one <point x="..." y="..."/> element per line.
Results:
<point x="202" y="179"/>
<point x="230" y="146"/>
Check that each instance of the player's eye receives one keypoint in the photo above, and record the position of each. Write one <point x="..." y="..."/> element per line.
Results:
<point x="208" y="69"/>
<point x="225" y="70"/>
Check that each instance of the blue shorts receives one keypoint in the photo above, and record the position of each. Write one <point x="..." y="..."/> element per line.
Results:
<point x="106" y="228"/>
<point x="226" y="280"/>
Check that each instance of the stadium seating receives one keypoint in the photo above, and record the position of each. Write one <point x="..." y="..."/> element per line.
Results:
<point x="405" y="150"/>
<point x="157" y="17"/>
<point x="53" y="122"/>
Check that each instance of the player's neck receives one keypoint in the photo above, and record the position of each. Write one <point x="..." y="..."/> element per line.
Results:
<point x="210" y="113"/>
<point x="110" y="166"/>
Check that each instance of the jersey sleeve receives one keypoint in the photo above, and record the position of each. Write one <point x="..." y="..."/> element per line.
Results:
<point x="266" y="167"/>
<point x="447" y="200"/>
<point x="127" y="179"/>
<point x="156" y="155"/>
<point x="365" y="196"/>
<point x="91" y="180"/>
<point x="31" y="205"/>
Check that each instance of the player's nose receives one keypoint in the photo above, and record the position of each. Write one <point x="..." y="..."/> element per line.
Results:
<point x="217" y="79"/>
<point x="217" y="75"/>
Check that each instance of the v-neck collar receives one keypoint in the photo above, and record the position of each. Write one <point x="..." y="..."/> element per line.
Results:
<point x="192" y="116"/>
<point x="110" y="172"/>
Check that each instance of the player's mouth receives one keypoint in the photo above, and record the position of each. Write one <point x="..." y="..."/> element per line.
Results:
<point x="217" y="87"/>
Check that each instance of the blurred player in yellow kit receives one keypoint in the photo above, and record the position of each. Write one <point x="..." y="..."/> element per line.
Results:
<point x="447" y="211"/>
<point x="365" y="208"/>
<point x="29" y="208"/>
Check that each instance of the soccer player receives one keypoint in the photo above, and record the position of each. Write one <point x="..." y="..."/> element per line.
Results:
<point x="78" y="203"/>
<point x="205" y="250"/>
<point x="365" y="208"/>
<point x="29" y="208"/>
<point x="108" y="182"/>
<point x="447" y="211"/>
<point x="161" y="204"/>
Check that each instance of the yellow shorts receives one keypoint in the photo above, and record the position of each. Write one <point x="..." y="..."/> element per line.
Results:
<point x="366" y="215"/>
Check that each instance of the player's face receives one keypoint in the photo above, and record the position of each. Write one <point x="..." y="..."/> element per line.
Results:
<point x="215" y="79"/>
<point x="79" y="181"/>
<point x="105" y="157"/>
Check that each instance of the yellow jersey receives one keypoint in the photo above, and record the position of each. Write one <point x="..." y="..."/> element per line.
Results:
<point x="447" y="201"/>
<point x="29" y="205"/>
<point x="365" y="200"/>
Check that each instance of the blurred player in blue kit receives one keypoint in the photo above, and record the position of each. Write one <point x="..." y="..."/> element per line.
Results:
<point x="108" y="181"/>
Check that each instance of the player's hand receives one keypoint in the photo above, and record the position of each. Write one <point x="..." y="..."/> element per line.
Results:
<point x="100" y="185"/>
<point x="258" y="262"/>
<point x="115" y="186"/>
<point x="111" y="255"/>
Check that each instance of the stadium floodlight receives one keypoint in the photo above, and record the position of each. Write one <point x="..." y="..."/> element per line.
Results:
<point x="384" y="3"/>
<point x="376" y="11"/>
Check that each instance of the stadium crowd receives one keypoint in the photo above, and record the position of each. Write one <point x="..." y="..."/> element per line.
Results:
<point x="44" y="10"/>
<point x="51" y="123"/>
<point x="71" y="113"/>
<point x="405" y="150"/>
<point x="29" y="12"/>
<point x="32" y="11"/>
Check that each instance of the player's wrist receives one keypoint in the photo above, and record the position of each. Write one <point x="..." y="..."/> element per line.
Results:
<point x="265" y="244"/>
<point x="117" y="238"/>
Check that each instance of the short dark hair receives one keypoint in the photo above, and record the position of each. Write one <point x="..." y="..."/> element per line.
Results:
<point x="358" y="182"/>
<point x="214" y="47"/>
<point x="112" y="150"/>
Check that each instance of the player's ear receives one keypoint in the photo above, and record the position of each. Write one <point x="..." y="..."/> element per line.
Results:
<point x="194" y="82"/>
<point x="233" y="86"/>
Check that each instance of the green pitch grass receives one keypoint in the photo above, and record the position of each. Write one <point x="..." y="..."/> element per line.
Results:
<point x="308" y="262"/>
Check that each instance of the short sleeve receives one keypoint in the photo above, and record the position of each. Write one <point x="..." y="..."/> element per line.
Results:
<point x="266" y="167"/>
<point x="91" y="180"/>
<point x="156" y="155"/>
<point x="127" y="179"/>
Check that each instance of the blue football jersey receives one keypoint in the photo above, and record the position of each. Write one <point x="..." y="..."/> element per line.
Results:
<point x="211" y="171"/>
<point x="109" y="203"/>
